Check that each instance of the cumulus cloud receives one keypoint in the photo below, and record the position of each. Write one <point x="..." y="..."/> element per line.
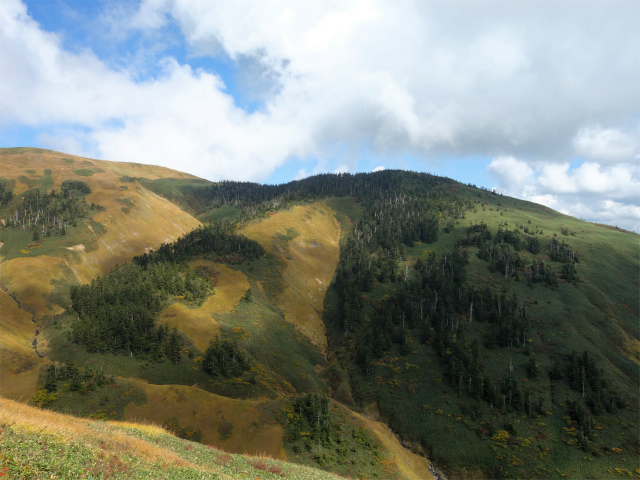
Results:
<point x="516" y="83"/>
<point x="606" y="194"/>
<point x="379" y="168"/>
<point x="606" y="144"/>
<point x="510" y="172"/>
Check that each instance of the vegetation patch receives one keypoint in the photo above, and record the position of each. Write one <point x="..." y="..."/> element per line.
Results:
<point x="38" y="444"/>
<point x="84" y="172"/>
<point x="319" y="433"/>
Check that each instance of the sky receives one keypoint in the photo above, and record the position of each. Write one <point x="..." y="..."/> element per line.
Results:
<point x="538" y="99"/>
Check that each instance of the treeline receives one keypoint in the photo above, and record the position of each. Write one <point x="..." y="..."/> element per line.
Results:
<point x="253" y="199"/>
<point x="77" y="379"/>
<point x="49" y="213"/>
<point x="116" y="312"/>
<point x="309" y="418"/>
<point x="213" y="241"/>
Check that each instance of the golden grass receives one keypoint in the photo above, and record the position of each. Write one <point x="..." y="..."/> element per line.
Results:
<point x="151" y="429"/>
<point x="311" y="262"/>
<point x="68" y="429"/>
<point x="193" y="407"/>
<point x="17" y="328"/>
<point x="152" y="172"/>
<point x="18" y="362"/>
<point x="18" y="375"/>
<point x="149" y="221"/>
<point x="29" y="279"/>
<point x="198" y="323"/>
<point x="410" y="465"/>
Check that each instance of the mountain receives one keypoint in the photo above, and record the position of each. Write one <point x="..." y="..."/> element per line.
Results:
<point x="496" y="337"/>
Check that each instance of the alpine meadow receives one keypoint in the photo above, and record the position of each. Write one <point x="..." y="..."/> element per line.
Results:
<point x="392" y="325"/>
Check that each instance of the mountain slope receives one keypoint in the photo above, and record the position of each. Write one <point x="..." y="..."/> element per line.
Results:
<point x="73" y="219"/>
<point x="494" y="335"/>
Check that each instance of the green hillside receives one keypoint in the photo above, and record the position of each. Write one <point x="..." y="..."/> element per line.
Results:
<point x="496" y="337"/>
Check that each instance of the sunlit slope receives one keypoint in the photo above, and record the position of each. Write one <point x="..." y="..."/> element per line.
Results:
<point x="132" y="220"/>
<point x="306" y="238"/>
<point x="199" y="324"/>
<point x="19" y="364"/>
<point x="42" y="444"/>
<point x="38" y="273"/>
<point x="602" y="308"/>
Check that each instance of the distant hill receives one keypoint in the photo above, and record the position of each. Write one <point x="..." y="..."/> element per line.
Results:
<point x="496" y="337"/>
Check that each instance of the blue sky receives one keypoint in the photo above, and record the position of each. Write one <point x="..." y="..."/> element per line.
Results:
<point x="539" y="100"/>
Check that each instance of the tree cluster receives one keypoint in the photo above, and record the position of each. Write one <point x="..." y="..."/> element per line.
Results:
<point x="210" y="241"/>
<point x="117" y="312"/>
<point x="6" y="194"/>
<point x="224" y="358"/>
<point x="50" y="212"/>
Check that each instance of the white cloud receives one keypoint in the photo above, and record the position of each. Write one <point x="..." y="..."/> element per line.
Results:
<point x="606" y="144"/>
<point x="428" y="79"/>
<point x="510" y="172"/>
<point x="606" y="194"/>
<point x="379" y="168"/>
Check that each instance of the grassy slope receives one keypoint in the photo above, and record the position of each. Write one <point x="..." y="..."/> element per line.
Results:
<point x="37" y="275"/>
<point x="41" y="444"/>
<point x="18" y="363"/>
<point x="606" y="298"/>
<point x="306" y="238"/>
<point x="289" y="285"/>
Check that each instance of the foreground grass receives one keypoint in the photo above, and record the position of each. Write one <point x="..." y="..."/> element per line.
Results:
<point x="38" y="443"/>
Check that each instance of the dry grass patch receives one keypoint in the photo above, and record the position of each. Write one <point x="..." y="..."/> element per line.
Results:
<point x="198" y="323"/>
<point x="212" y="414"/>
<point x="29" y="279"/>
<point x="16" y="328"/>
<point x="68" y="429"/>
<point x="311" y="258"/>
<point x="147" y="221"/>
<point x="152" y="172"/>
<point x="19" y="365"/>
<point x="19" y="374"/>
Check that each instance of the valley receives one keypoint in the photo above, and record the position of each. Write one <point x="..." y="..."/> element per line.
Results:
<point x="363" y="325"/>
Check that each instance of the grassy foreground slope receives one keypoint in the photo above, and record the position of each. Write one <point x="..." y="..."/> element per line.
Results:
<point x="37" y="443"/>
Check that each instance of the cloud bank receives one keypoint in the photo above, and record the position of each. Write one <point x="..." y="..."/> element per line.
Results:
<point x="537" y="83"/>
